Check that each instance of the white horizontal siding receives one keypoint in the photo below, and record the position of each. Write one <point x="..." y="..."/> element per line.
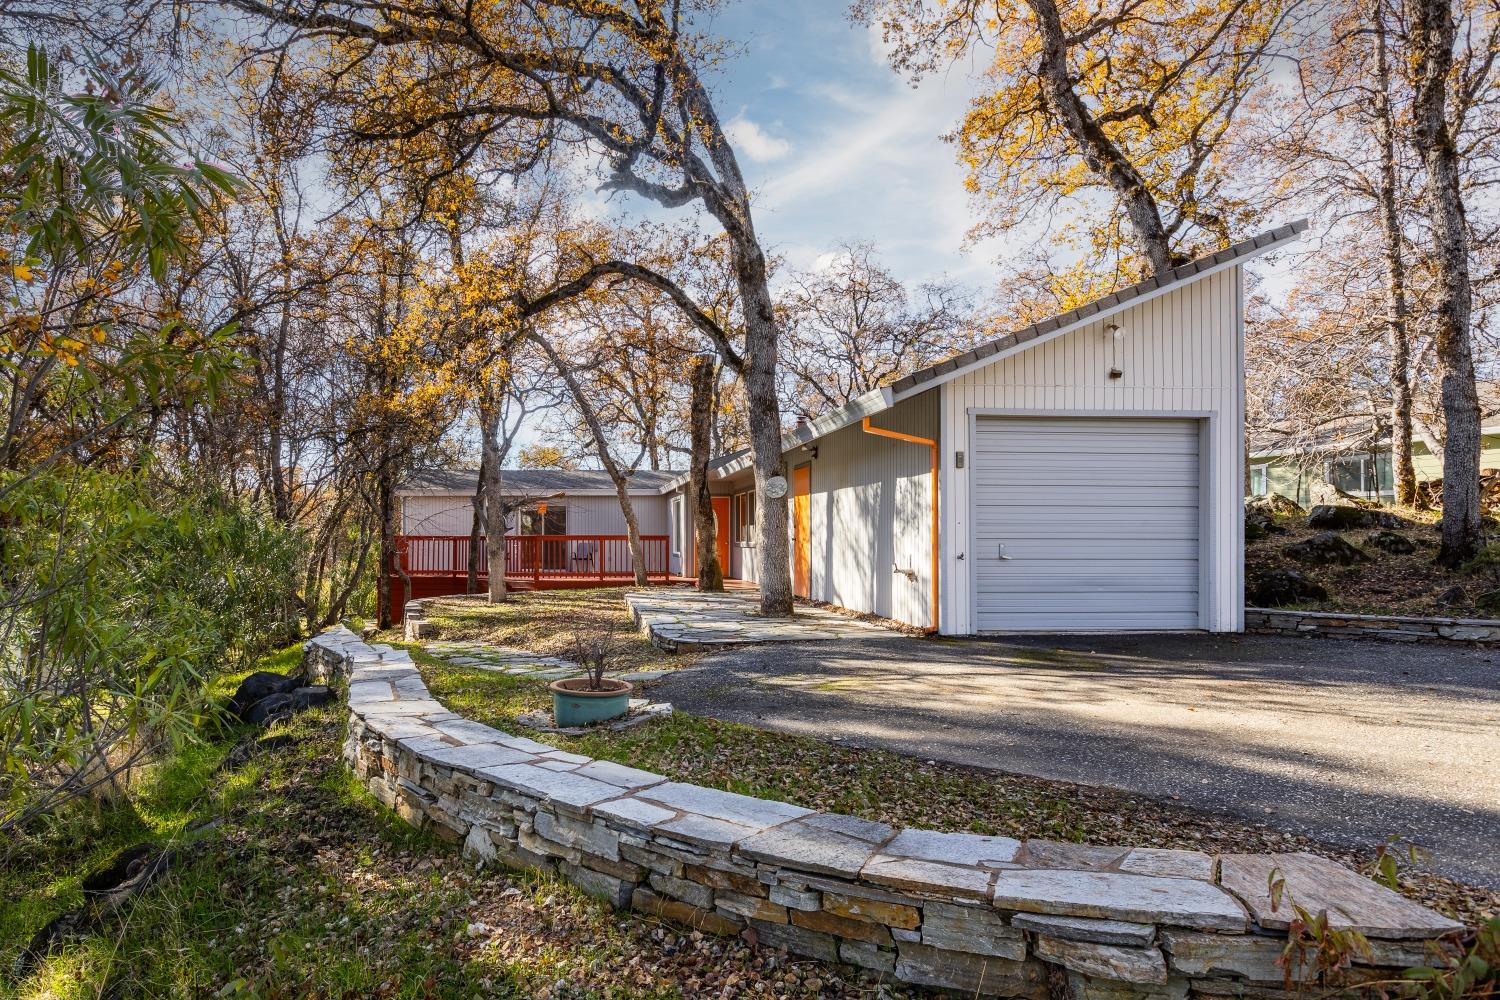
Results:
<point x="453" y="515"/>
<point x="1180" y="353"/>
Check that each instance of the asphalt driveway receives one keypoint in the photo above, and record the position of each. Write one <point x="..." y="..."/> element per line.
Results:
<point x="1346" y="740"/>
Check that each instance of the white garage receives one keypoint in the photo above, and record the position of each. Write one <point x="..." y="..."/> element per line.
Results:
<point x="1085" y="523"/>
<point x="1084" y="473"/>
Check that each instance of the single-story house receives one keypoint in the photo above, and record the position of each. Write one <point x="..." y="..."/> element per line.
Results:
<point x="1354" y="454"/>
<point x="567" y="528"/>
<point x="1082" y="474"/>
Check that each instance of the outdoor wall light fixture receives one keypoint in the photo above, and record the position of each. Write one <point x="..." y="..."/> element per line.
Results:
<point x="1115" y="334"/>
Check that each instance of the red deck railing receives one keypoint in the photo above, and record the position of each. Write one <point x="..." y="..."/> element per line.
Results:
<point x="538" y="558"/>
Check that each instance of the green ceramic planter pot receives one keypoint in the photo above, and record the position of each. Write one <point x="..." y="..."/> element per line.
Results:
<point x="574" y="705"/>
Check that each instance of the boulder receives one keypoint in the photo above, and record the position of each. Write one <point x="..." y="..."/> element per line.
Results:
<point x="1389" y="541"/>
<point x="285" y="704"/>
<point x="1325" y="548"/>
<point x="1327" y="493"/>
<point x="1259" y="524"/>
<point x="257" y="687"/>
<point x="1341" y="517"/>
<point x="1277" y="588"/>
<point x="1275" y="505"/>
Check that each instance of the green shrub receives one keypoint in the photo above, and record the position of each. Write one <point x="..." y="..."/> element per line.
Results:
<point x="120" y="598"/>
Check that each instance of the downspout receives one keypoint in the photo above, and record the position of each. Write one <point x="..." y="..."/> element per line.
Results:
<point x="933" y="445"/>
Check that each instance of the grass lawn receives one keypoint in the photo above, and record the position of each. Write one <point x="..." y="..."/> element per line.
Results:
<point x="307" y="887"/>
<point x="874" y="784"/>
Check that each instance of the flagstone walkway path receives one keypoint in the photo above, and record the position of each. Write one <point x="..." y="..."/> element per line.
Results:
<point x="680" y="620"/>
<point x="520" y="662"/>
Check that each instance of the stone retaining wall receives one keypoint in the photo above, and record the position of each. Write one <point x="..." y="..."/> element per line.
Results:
<point x="984" y="915"/>
<point x="1395" y="627"/>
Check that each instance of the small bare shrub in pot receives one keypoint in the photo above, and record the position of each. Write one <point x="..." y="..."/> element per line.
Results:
<point x="578" y="701"/>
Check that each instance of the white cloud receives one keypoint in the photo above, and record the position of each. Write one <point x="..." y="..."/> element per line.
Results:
<point x="754" y="141"/>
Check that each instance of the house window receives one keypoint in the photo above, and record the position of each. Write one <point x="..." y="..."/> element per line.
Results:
<point x="744" y="518"/>
<point x="1259" y="482"/>
<point x="545" y="519"/>
<point x="1362" y="475"/>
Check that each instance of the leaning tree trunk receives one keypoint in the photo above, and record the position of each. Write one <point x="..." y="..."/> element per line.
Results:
<point x="704" y="374"/>
<point x="1403" y="471"/>
<point x="1432" y="37"/>
<point x="476" y="528"/>
<point x="601" y="446"/>
<point x="390" y="560"/>
<point x="494" y="505"/>
<point x="774" y="547"/>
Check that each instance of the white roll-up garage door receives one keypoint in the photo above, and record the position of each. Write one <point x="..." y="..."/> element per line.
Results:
<point x="1085" y="524"/>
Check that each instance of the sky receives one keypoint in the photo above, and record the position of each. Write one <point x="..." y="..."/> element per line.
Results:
<point x="840" y="148"/>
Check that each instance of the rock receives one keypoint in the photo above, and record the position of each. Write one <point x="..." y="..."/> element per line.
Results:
<point x="1141" y="898"/>
<point x="1168" y="863"/>
<point x="1104" y="961"/>
<point x="877" y="910"/>
<point x="1277" y="588"/>
<point x="798" y="940"/>
<point x="1340" y="517"/>
<point x="842" y="927"/>
<point x="1275" y="505"/>
<point x="257" y="687"/>
<point x="953" y="848"/>
<point x="915" y="875"/>
<point x="974" y="975"/>
<point x="284" y="706"/>
<point x="1324" y="548"/>
<point x="1249" y="956"/>
<point x="1086" y="929"/>
<point x="1317" y="884"/>
<point x="975" y="929"/>
<point x="796" y="898"/>
<point x="1259" y="524"/>
<point x="808" y="848"/>
<point x="867" y="956"/>
<point x="1324" y="493"/>
<point x="1390" y="541"/>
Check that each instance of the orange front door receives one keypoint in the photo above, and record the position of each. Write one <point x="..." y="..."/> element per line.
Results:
<point x="801" y="529"/>
<point x="721" y="531"/>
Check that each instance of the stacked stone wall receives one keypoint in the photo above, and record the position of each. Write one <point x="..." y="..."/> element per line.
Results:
<point x="984" y="915"/>
<point x="1397" y="628"/>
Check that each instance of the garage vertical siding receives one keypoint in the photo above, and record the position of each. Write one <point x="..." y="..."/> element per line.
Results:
<point x="871" y="524"/>
<point x="1181" y="353"/>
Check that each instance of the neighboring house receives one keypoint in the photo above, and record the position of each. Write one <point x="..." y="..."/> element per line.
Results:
<point x="1083" y="474"/>
<point x="1356" y="458"/>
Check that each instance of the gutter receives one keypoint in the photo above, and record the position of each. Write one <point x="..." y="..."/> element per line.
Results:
<point x="933" y="445"/>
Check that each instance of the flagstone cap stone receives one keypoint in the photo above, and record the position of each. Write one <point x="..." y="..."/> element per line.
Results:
<point x="1096" y="911"/>
<point x="1317" y="885"/>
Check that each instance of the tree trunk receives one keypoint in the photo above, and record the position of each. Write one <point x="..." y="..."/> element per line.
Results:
<point x="476" y="526"/>
<point x="1432" y="38"/>
<point x="773" y="549"/>
<point x="494" y="503"/>
<point x="1403" y="471"/>
<point x="601" y="446"/>
<point x="704" y="374"/>
<point x="1099" y="152"/>
<point x="389" y="564"/>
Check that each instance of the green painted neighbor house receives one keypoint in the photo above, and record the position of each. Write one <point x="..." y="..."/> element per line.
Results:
<point x="1362" y="468"/>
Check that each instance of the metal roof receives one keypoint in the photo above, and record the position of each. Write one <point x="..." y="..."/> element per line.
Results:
<point x="920" y="381"/>
<point x="524" y="481"/>
<point x="1251" y="247"/>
